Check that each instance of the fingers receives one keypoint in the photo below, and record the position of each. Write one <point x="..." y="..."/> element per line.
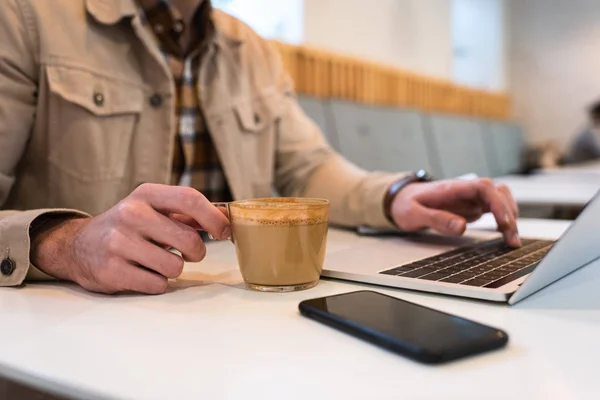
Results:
<point x="496" y="201"/>
<point x="143" y="220"/>
<point x="191" y="222"/>
<point x="420" y="217"/>
<point x="491" y="199"/>
<point x="470" y="211"/>
<point x="445" y="222"/>
<point x="454" y="193"/>
<point x="186" y="201"/>
<point x="509" y="200"/>
<point x="511" y="204"/>
<point x="136" y="279"/>
<point x="119" y="275"/>
<point x="178" y="236"/>
<point x="149" y="256"/>
<point x="134" y="249"/>
<point x="184" y="219"/>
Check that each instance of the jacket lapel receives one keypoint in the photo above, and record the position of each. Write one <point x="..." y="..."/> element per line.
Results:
<point x="109" y="12"/>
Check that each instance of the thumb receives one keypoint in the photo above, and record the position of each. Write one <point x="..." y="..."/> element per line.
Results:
<point x="443" y="221"/>
<point x="191" y="222"/>
<point x="184" y="219"/>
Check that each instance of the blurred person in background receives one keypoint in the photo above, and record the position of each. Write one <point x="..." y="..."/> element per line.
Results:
<point x="122" y="120"/>
<point x="586" y="145"/>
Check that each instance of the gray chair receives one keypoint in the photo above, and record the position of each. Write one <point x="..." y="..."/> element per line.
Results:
<point x="353" y="125"/>
<point x="381" y="138"/>
<point x="401" y="140"/>
<point x="505" y="148"/>
<point x="318" y="111"/>
<point x="458" y="146"/>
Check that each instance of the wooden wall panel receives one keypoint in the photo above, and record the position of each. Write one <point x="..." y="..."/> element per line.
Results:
<point x="325" y="74"/>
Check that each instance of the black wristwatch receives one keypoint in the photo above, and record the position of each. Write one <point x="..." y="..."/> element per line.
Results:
<point x="419" y="176"/>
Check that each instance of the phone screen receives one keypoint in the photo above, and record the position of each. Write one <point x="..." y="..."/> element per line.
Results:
<point x="403" y="326"/>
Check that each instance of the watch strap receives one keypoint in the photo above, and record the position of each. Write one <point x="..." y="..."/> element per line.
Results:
<point x="397" y="186"/>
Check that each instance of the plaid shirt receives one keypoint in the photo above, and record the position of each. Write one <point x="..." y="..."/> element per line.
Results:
<point x="195" y="162"/>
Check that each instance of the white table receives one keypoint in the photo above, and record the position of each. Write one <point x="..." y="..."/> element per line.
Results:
<point x="587" y="169"/>
<point x="552" y="189"/>
<point x="210" y="338"/>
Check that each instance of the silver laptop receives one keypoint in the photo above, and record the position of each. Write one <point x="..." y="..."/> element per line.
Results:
<point x="474" y="266"/>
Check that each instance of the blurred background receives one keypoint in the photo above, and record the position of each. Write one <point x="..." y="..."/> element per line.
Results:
<point x="541" y="53"/>
<point x="499" y="88"/>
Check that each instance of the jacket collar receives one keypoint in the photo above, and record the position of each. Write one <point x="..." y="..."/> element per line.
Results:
<point x="226" y="31"/>
<point x="109" y="12"/>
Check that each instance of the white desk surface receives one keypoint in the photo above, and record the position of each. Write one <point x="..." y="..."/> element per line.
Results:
<point x="584" y="169"/>
<point x="552" y="189"/>
<point x="210" y="338"/>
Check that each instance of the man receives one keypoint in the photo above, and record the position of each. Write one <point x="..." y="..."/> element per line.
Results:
<point x="106" y="105"/>
<point x="586" y="145"/>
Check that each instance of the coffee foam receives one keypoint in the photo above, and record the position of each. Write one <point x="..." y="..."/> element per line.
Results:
<point x="278" y="219"/>
<point x="280" y="212"/>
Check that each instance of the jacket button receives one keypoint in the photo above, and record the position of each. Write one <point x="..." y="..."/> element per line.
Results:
<point x="156" y="100"/>
<point x="178" y="27"/>
<point x="7" y="267"/>
<point x="98" y="99"/>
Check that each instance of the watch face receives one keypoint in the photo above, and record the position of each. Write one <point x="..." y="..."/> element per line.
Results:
<point x="422" y="174"/>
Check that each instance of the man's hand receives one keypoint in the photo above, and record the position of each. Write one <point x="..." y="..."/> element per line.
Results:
<point x="447" y="206"/>
<point x="125" y="248"/>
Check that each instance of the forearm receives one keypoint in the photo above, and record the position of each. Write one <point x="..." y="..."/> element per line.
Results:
<point x="356" y="195"/>
<point x="16" y="244"/>
<point x="52" y="244"/>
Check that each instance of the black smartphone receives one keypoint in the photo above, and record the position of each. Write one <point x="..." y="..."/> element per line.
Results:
<point x="418" y="332"/>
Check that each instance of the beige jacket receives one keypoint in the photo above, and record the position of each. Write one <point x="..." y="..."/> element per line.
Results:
<point x="62" y="147"/>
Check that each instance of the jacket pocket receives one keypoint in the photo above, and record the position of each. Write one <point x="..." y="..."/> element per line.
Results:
<point x="256" y="121"/>
<point x="253" y="116"/>
<point x="91" y="120"/>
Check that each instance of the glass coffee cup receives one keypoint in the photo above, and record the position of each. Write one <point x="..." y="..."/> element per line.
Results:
<point x="280" y="242"/>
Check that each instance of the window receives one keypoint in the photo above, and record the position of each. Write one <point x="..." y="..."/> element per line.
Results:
<point x="272" y="19"/>
<point x="478" y="43"/>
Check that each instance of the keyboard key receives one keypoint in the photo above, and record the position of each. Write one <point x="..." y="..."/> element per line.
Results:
<point x="498" y="262"/>
<point x="417" y="264"/>
<point x="480" y="270"/>
<point x="507" y="279"/>
<point x="507" y="270"/>
<point x="418" y="272"/>
<point x="470" y="263"/>
<point x="476" y="282"/>
<point x="454" y="269"/>
<point x="520" y="262"/>
<point x="453" y="279"/>
<point x="436" y="276"/>
<point x="492" y="275"/>
<point x="512" y="256"/>
<point x="388" y="272"/>
<point x="463" y="276"/>
<point x="398" y="270"/>
<point x="533" y="258"/>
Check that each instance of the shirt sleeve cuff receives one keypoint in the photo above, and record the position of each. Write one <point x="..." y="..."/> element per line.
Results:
<point x="380" y="184"/>
<point x="15" y="244"/>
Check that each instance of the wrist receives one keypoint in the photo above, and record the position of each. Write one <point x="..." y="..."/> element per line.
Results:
<point x="396" y="187"/>
<point x="51" y="245"/>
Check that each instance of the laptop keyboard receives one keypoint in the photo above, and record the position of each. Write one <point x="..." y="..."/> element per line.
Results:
<point x="489" y="264"/>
